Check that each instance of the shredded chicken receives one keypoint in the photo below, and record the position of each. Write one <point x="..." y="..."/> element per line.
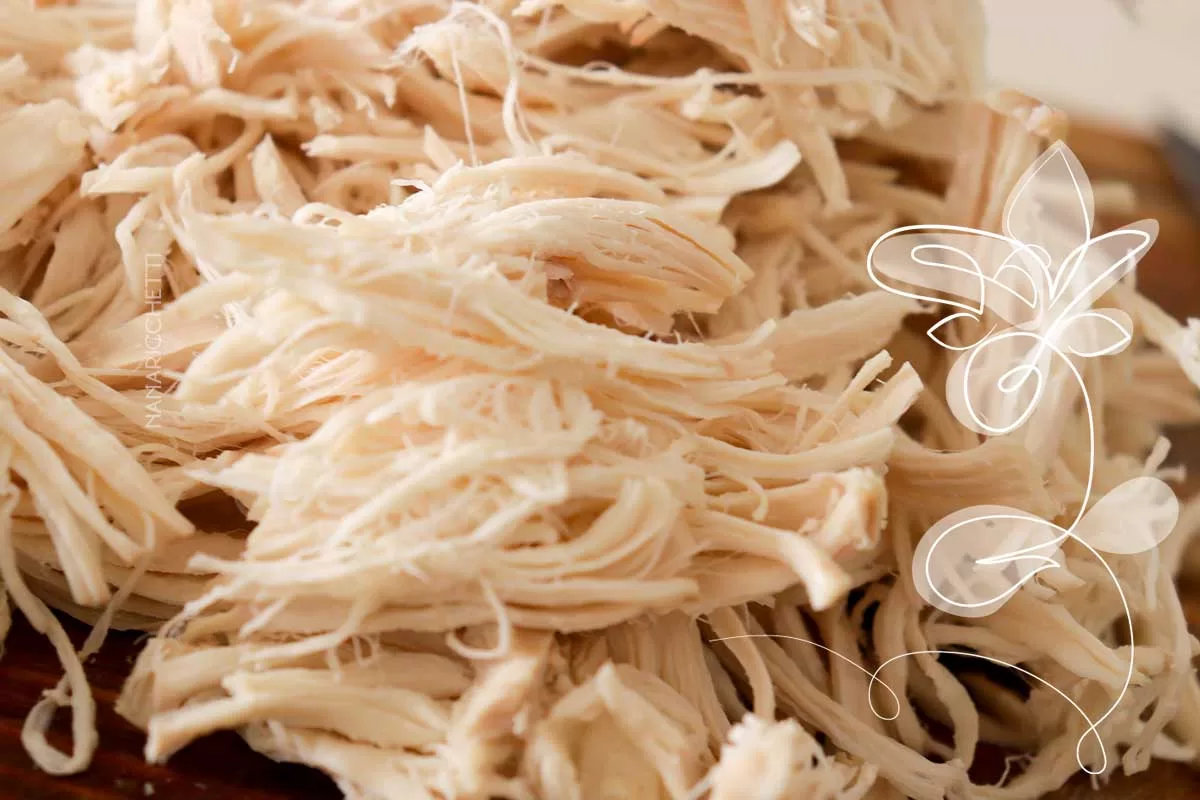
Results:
<point x="491" y="399"/>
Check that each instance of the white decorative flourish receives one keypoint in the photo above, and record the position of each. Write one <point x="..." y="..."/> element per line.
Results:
<point x="1043" y="273"/>
<point x="1022" y="305"/>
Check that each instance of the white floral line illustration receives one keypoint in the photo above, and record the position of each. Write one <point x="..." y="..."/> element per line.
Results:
<point x="1043" y="274"/>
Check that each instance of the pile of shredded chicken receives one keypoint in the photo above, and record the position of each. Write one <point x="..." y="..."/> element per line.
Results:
<point x="445" y="384"/>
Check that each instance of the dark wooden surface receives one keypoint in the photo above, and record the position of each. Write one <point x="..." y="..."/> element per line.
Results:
<point x="222" y="766"/>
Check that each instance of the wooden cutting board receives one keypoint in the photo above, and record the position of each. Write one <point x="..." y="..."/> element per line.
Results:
<point x="223" y="766"/>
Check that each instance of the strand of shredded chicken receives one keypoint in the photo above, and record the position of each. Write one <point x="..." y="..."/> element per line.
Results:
<point x="490" y="400"/>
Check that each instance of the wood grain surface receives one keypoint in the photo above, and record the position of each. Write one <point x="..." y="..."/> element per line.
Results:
<point x="223" y="766"/>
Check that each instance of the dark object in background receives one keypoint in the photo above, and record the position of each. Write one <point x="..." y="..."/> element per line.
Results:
<point x="1183" y="155"/>
<point x="1131" y="8"/>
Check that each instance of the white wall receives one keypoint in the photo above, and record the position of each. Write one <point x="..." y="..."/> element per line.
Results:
<point x="1088" y="57"/>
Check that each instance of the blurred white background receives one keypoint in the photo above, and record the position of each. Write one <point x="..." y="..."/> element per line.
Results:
<point x="1089" y="58"/>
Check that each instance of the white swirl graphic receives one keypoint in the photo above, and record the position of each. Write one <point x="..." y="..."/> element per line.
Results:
<point x="1040" y="278"/>
<point x="1021" y="315"/>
